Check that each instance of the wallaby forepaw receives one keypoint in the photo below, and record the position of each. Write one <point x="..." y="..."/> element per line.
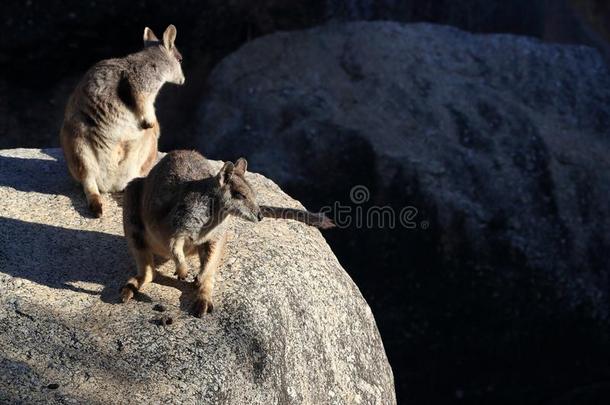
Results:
<point x="95" y="206"/>
<point x="126" y="293"/>
<point x="147" y="122"/>
<point x="202" y="306"/>
<point x="182" y="274"/>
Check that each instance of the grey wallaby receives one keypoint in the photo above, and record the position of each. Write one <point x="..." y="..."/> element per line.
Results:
<point x="180" y="209"/>
<point x="110" y="130"/>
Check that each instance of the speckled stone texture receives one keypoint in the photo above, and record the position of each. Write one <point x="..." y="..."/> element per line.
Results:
<point x="289" y="327"/>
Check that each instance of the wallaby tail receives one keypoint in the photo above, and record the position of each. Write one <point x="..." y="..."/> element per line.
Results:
<point x="317" y="219"/>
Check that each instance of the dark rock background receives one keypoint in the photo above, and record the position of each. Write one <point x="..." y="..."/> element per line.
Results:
<point x="46" y="46"/>
<point x="500" y="143"/>
<point x="500" y="292"/>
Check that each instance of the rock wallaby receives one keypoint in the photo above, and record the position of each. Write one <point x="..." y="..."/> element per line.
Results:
<point x="110" y="131"/>
<point x="180" y="209"/>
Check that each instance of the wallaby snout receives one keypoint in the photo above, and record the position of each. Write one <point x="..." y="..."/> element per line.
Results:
<point x="249" y="213"/>
<point x="177" y="76"/>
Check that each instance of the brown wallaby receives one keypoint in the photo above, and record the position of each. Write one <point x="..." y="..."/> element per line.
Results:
<point x="110" y="131"/>
<point x="180" y="209"/>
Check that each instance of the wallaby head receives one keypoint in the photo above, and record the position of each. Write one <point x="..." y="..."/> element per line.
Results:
<point x="169" y="59"/>
<point x="236" y="195"/>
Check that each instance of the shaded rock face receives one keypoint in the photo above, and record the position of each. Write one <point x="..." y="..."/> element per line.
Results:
<point x="498" y="287"/>
<point x="289" y="327"/>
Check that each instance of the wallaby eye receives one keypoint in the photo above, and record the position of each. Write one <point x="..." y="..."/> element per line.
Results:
<point x="239" y="195"/>
<point x="178" y="56"/>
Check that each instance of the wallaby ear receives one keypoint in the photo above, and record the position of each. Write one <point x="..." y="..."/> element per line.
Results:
<point x="149" y="37"/>
<point x="169" y="36"/>
<point x="241" y="165"/>
<point x="225" y="174"/>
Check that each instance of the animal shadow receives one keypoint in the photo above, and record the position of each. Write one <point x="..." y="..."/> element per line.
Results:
<point x="41" y="175"/>
<point x="59" y="257"/>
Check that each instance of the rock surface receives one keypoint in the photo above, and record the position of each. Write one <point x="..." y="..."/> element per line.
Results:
<point x="289" y="327"/>
<point x="502" y="145"/>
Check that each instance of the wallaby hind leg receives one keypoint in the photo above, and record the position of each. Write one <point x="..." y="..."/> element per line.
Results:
<point x="210" y="254"/>
<point x="145" y="263"/>
<point x="82" y="165"/>
<point x="94" y="199"/>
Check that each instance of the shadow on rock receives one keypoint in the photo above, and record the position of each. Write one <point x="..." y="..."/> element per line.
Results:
<point x="188" y="291"/>
<point x="13" y="170"/>
<point x="59" y="257"/>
